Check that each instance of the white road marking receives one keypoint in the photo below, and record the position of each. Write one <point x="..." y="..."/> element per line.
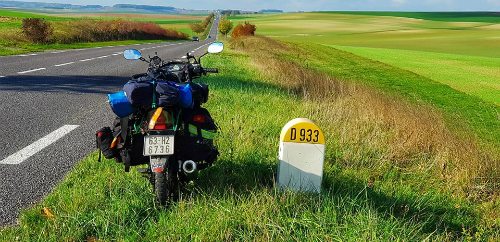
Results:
<point x="38" y="145"/>
<point x="32" y="54"/>
<point x="116" y="54"/>
<point x="111" y="46"/>
<point x="65" y="64"/>
<point x="24" y="72"/>
<point x="57" y="52"/>
<point x="87" y="59"/>
<point x="22" y="55"/>
<point x="98" y="47"/>
<point x="104" y="56"/>
<point x="183" y="57"/>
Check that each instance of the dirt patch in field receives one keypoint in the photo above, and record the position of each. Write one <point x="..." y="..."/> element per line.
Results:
<point x="6" y="19"/>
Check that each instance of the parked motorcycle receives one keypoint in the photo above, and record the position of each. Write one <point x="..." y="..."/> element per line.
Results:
<point x="161" y="123"/>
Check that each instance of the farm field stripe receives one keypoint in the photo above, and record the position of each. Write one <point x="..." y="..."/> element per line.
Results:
<point x="28" y="71"/>
<point x="65" y="64"/>
<point x="38" y="145"/>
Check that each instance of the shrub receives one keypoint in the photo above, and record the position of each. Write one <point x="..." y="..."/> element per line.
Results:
<point x="196" y="27"/>
<point x="244" y="30"/>
<point x="225" y="26"/>
<point x="37" y="30"/>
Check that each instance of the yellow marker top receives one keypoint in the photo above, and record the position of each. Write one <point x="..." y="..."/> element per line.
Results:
<point x="302" y="130"/>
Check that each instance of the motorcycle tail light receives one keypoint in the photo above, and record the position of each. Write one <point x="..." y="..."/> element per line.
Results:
<point x="199" y="118"/>
<point x="157" y="121"/>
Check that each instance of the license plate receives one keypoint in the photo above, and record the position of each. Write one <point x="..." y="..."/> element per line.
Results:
<point x="158" y="145"/>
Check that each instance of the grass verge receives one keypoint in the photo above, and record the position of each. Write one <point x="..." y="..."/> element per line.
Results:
<point x="10" y="48"/>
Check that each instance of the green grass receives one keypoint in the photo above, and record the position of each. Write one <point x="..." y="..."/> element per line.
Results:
<point x="458" y="107"/>
<point x="463" y="56"/>
<point x="19" y="14"/>
<point x="235" y="200"/>
<point x="477" y="76"/>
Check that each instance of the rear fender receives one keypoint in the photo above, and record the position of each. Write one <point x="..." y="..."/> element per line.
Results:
<point x="158" y="163"/>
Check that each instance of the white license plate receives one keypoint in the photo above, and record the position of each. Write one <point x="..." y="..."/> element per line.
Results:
<point x="158" y="145"/>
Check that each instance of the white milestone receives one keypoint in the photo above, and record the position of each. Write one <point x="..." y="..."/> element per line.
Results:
<point x="301" y="156"/>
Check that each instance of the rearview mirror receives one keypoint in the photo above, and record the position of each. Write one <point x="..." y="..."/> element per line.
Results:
<point x="215" y="48"/>
<point x="132" y="54"/>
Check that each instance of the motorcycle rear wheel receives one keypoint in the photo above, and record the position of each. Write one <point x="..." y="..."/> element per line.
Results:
<point x="166" y="186"/>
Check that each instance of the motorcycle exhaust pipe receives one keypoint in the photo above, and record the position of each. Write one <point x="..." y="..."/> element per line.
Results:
<point x="189" y="167"/>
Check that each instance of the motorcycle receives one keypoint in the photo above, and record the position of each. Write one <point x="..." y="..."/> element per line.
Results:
<point x="172" y="135"/>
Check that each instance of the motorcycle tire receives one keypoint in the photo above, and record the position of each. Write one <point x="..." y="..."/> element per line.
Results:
<point x="166" y="186"/>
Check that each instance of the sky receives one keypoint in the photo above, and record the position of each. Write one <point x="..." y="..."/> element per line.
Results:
<point x="309" y="5"/>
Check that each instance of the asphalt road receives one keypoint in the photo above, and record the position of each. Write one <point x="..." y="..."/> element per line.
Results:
<point x="51" y="105"/>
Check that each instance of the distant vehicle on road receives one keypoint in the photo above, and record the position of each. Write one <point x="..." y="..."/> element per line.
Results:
<point x="195" y="38"/>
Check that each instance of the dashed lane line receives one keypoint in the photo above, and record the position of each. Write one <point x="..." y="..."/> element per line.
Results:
<point x="87" y="59"/>
<point x="38" y="145"/>
<point x="65" y="64"/>
<point x="27" y="55"/>
<point x="28" y="71"/>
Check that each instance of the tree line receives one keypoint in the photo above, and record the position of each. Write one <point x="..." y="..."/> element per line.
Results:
<point x="201" y="27"/>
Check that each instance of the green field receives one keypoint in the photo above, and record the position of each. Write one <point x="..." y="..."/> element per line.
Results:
<point x="465" y="38"/>
<point x="486" y="17"/>
<point x="473" y="46"/>
<point x="475" y="75"/>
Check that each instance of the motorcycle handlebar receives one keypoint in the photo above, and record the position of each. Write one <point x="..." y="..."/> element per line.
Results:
<point x="211" y="70"/>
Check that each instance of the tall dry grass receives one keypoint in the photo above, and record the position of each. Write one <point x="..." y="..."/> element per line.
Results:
<point x="373" y="130"/>
<point x="89" y="30"/>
